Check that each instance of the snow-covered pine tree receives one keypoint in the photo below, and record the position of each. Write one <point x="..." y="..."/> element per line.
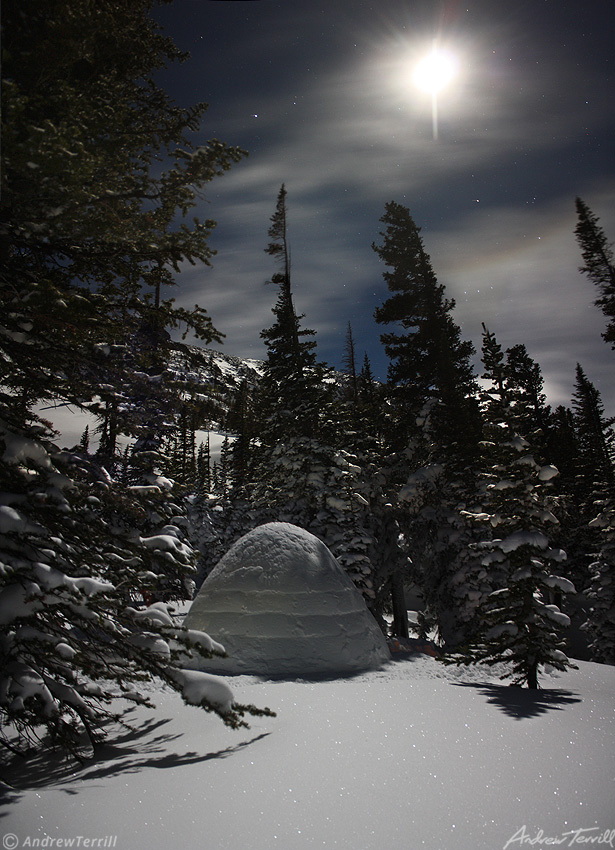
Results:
<point x="79" y="630"/>
<point x="594" y="432"/>
<point x="291" y="398"/>
<point x="525" y="387"/>
<point x="92" y="229"/>
<point x="596" y="480"/>
<point x="434" y="425"/>
<point x="516" y="620"/>
<point x="241" y="422"/>
<point x="292" y="385"/>
<point x="307" y="471"/>
<point x="601" y="592"/>
<point x="599" y="265"/>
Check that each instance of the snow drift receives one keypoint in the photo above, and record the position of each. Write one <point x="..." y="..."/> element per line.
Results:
<point x="281" y="605"/>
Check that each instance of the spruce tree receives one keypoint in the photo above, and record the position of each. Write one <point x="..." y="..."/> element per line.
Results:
<point x="430" y="370"/>
<point x="595" y="436"/>
<point x="291" y="382"/>
<point x="308" y="470"/>
<point x="349" y="364"/>
<point x="241" y="422"/>
<point x="434" y="420"/>
<point x="599" y="265"/>
<point x="366" y="381"/>
<point x="515" y="618"/>
<point x="100" y="171"/>
<point x="525" y="383"/>
<point x="596" y="477"/>
<point x="601" y="591"/>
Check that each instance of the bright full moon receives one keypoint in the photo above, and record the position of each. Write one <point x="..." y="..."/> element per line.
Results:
<point x="435" y="71"/>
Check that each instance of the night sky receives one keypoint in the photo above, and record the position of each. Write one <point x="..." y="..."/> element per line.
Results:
<point x="322" y="97"/>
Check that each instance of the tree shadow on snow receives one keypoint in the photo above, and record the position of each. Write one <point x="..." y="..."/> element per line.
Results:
<point x="523" y="703"/>
<point x="129" y="751"/>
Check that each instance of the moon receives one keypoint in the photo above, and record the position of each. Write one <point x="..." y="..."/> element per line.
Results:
<point x="435" y="71"/>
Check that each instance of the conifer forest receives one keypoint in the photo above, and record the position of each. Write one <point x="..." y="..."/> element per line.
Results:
<point x="452" y="487"/>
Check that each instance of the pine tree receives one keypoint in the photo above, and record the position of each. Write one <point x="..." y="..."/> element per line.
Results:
<point x="599" y="265"/>
<point x="525" y="384"/>
<point x="99" y="174"/>
<point x="367" y="381"/>
<point x="241" y="422"/>
<point x="203" y="468"/>
<point x="595" y="436"/>
<point x="516" y="620"/>
<point x="434" y="421"/>
<point x="429" y="369"/>
<point x="91" y="230"/>
<point x="349" y="363"/>
<point x="307" y="470"/>
<point x="292" y="380"/>
<point x="601" y="591"/>
<point x="596" y="479"/>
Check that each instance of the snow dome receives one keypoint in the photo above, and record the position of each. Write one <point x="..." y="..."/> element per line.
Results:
<point x="281" y="605"/>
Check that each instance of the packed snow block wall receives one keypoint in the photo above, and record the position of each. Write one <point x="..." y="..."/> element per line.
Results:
<point x="281" y="605"/>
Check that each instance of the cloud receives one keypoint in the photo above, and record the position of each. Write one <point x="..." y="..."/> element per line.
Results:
<point x="517" y="271"/>
<point x="340" y="125"/>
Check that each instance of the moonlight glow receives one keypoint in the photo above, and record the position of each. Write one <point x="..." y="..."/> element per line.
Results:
<point x="432" y="74"/>
<point x="435" y="71"/>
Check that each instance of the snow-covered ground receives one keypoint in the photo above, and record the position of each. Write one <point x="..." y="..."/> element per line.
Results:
<point x="416" y="755"/>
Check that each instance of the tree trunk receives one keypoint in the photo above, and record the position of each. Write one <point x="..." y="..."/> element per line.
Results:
<point x="398" y="601"/>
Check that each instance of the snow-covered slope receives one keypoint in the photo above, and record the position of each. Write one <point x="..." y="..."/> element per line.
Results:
<point x="414" y="756"/>
<point x="281" y="605"/>
<point x="220" y="376"/>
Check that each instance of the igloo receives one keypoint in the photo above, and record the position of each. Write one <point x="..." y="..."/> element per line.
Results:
<point x="281" y="605"/>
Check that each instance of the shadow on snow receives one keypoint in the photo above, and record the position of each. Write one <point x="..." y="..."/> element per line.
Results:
<point x="129" y="751"/>
<point x="523" y="703"/>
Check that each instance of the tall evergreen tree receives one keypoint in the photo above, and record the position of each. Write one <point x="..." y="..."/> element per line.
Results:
<point x="596" y="477"/>
<point x="349" y="364"/>
<point x="366" y="381"/>
<point x="515" y="618"/>
<point x="434" y="424"/>
<point x="291" y="379"/>
<point x="599" y="265"/>
<point x="241" y="422"/>
<point x="595" y="436"/>
<point x="290" y="396"/>
<point x="525" y="390"/>
<point x="92" y="230"/>
<point x="601" y="591"/>
<point x="430" y="369"/>
<point x="307" y="469"/>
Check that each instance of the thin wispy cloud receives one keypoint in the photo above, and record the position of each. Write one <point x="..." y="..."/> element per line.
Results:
<point x="323" y="102"/>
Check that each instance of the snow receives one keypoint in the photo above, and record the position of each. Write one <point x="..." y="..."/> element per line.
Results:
<point x="20" y="450"/>
<point x="12" y="521"/>
<point x="503" y="629"/>
<point x="197" y="686"/>
<point x="553" y="612"/>
<point x="548" y="472"/>
<point x="416" y="755"/>
<point x="523" y="538"/>
<point x="166" y="543"/>
<point x="281" y="605"/>
<point x="559" y="583"/>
